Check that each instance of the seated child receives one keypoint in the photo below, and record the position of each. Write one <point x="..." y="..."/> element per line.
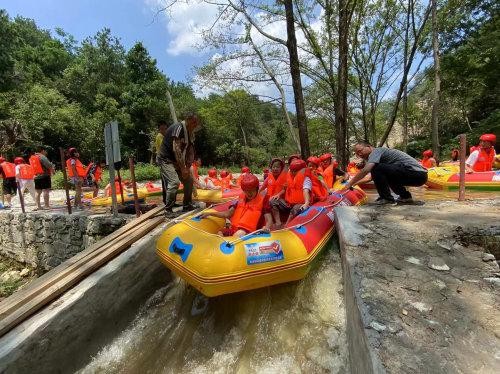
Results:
<point x="245" y="214"/>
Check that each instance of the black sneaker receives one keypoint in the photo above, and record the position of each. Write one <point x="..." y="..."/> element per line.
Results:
<point x="189" y="207"/>
<point x="382" y="201"/>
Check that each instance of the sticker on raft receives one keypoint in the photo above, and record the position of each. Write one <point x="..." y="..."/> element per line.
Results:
<point x="496" y="177"/>
<point x="258" y="253"/>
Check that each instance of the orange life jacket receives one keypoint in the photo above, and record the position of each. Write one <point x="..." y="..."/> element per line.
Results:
<point x="319" y="192"/>
<point x="295" y="188"/>
<point x="118" y="189"/>
<point x="9" y="169"/>
<point x="97" y="171"/>
<point x="329" y="175"/>
<point x="247" y="213"/>
<point x="36" y="164"/>
<point x="225" y="182"/>
<point x="26" y="172"/>
<point x="216" y="181"/>
<point x="426" y="163"/>
<point x="195" y="170"/>
<point x="80" y="169"/>
<point x="484" y="161"/>
<point x="275" y="185"/>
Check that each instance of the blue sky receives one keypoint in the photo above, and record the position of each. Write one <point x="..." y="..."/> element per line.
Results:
<point x="129" y="20"/>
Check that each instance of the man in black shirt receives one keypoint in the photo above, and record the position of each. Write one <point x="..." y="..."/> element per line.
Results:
<point x="175" y="157"/>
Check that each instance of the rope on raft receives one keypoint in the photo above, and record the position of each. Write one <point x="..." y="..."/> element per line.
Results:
<point x="261" y="230"/>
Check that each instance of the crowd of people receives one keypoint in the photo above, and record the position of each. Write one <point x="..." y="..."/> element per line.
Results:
<point x="290" y="186"/>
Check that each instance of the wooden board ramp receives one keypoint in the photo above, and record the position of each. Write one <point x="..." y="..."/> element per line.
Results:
<point x="51" y="285"/>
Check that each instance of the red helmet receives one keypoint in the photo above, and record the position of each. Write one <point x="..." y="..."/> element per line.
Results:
<point x="313" y="160"/>
<point x="18" y="160"/>
<point x="249" y="182"/>
<point x="72" y="151"/>
<point x="212" y="173"/>
<point x="245" y="169"/>
<point x="325" y="157"/>
<point x="224" y="173"/>
<point x="297" y="165"/>
<point x="427" y="153"/>
<point x="488" y="138"/>
<point x="2" y="160"/>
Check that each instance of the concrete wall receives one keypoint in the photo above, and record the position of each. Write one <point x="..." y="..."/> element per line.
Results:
<point x="44" y="240"/>
<point x="64" y="335"/>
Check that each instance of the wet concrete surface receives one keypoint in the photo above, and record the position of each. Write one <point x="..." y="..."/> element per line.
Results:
<point x="426" y="299"/>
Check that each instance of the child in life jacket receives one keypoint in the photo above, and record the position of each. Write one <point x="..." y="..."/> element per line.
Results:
<point x="76" y="174"/>
<point x="25" y="177"/>
<point x="9" y="184"/>
<point x="94" y="176"/>
<point x="428" y="161"/>
<point x="246" y="213"/>
<point x="275" y="185"/>
<point x="482" y="158"/>
<point x="244" y="170"/>
<point x="212" y="182"/>
<point x="331" y="170"/>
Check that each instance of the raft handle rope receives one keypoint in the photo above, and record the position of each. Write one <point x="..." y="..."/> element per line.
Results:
<point x="230" y="243"/>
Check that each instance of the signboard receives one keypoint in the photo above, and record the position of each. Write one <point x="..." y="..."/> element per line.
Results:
<point x="112" y="141"/>
<point x="258" y="253"/>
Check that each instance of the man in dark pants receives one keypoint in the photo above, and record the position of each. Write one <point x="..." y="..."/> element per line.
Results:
<point x="162" y="130"/>
<point x="175" y="158"/>
<point x="390" y="169"/>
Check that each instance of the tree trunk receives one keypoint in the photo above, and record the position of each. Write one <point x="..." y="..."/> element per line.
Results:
<point x="341" y="104"/>
<point x="405" y="92"/>
<point x="437" y="83"/>
<point x="296" y="82"/>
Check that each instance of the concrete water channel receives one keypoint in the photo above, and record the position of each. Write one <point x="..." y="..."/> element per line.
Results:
<point x="416" y="299"/>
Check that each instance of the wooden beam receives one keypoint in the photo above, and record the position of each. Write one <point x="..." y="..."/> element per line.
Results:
<point x="53" y="288"/>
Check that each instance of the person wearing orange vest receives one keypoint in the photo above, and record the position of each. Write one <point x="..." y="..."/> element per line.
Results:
<point x="93" y="175"/>
<point x="225" y="179"/>
<point x="427" y="160"/>
<point x="244" y="170"/>
<point x="211" y="181"/>
<point x="331" y="170"/>
<point x="43" y="169"/>
<point x="275" y="185"/>
<point x="9" y="184"/>
<point x="482" y="159"/>
<point x="25" y="177"/>
<point x="246" y="213"/>
<point x="76" y="174"/>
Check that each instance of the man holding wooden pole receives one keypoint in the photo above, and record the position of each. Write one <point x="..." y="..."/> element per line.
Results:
<point x="175" y="158"/>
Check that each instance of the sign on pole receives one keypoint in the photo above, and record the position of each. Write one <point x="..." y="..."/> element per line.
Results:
<point x="113" y="156"/>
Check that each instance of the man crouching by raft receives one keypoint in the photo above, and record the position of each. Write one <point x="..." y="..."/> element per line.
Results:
<point x="175" y="157"/>
<point x="390" y="169"/>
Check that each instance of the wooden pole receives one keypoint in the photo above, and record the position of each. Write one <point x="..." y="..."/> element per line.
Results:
<point x="172" y="108"/>
<point x="461" y="188"/>
<point x="21" y="197"/>
<point x="134" y="186"/>
<point x="120" y="184"/>
<point x="65" y="178"/>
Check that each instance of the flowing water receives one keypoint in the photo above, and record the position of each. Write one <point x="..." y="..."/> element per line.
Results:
<point x="291" y="328"/>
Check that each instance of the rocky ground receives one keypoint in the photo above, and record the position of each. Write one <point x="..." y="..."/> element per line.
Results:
<point x="427" y="290"/>
<point x="13" y="275"/>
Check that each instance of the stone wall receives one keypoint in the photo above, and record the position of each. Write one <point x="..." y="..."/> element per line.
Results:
<point x="44" y="240"/>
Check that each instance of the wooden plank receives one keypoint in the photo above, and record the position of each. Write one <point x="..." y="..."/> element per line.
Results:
<point x="35" y="303"/>
<point x="47" y="294"/>
<point x="55" y="274"/>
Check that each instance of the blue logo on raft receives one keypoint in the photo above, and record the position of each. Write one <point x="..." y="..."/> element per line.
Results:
<point x="179" y="247"/>
<point x="258" y="253"/>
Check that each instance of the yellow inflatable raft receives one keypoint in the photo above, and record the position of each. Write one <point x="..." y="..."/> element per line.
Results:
<point x="217" y="265"/>
<point x="447" y="178"/>
<point x="127" y="197"/>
